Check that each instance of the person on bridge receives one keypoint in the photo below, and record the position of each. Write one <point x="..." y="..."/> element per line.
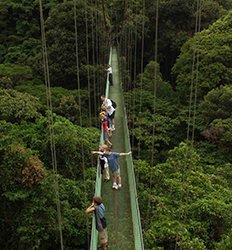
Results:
<point x="103" y="109"/>
<point x="104" y="165"/>
<point x="109" y="72"/>
<point x="107" y="103"/>
<point x="113" y="163"/>
<point x="99" y="211"/>
<point x="105" y="128"/>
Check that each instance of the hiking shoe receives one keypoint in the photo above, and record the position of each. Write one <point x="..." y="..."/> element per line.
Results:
<point x="120" y="185"/>
<point x="115" y="186"/>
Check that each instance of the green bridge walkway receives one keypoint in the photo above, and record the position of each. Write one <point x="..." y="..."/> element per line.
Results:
<point x="122" y="213"/>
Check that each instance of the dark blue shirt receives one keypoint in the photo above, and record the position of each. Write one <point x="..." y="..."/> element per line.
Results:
<point x="113" y="161"/>
<point x="99" y="216"/>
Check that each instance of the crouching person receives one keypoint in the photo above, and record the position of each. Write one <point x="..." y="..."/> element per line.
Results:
<point x="99" y="211"/>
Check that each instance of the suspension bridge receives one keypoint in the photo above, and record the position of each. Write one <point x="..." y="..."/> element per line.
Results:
<point x="122" y="210"/>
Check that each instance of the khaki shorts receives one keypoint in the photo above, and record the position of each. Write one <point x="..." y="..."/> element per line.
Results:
<point x="116" y="173"/>
<point x="103" y="236"/>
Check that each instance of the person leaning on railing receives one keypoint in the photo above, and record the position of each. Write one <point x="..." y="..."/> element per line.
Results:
<point x="107" y="103"/>
<point x="112" y="158"/>
<point x="99" y="211"/>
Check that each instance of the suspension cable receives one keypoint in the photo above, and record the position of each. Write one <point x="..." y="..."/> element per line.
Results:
<point x="130" y="63"/>
<point x="51" y="122"/>
<point x="195" y="63"/>
<point x="191" y="119"/>
<point x="141" y="71"/>
<point x="197" y="72"/>
<point x="134" y="79"/>
<point x="98" y="48"/>
<point x="154" y="104"/>
<point x="87" y="62"/>
<point x="80" y="109"/>
<point x="93" y="58"/>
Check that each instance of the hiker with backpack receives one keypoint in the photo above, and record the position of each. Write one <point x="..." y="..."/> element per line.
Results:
<point x="110" y="106"/>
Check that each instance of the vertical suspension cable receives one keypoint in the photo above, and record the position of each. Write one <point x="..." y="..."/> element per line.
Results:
<point x="98" y="53"/>
<point x="194" y="85"/>
<point x="197" y="72"/>
<point x="51" y="123"/>
<point x="154" y="104"/>
<point x="77" y="64"/>
<point x="134" y="79"/>
<point x="141" y="71"/>
<point x="155" y="77"/>
<point x="87" y="62"/>
<point x="131" y="55"/>
<point x="131" y="61"/>
<point x="93" y="58"/>
<point x="192" y="77"/>
<point x="125" y="57"/>
<point x="80" y="108"/>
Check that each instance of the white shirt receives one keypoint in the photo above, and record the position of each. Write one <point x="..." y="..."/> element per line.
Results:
<point x="109" y="70"/>
<point x="108" y="104"/>
<point x="104" y="159"/>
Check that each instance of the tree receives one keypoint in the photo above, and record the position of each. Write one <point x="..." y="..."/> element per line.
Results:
<point x="142" y="120"/>
<point x="28" y="199"/>
<point x="215" y="116"/>
<point x="17" y="107"/>
<point x="13" y="74"/>
<point x="189" y="204"/>
<point x="176" y="26"/>
<point x="65" y="102"/>
<point x="214" y="59"/>
<point x="216" y="105"/>
<point x="28" y="195"/>
<point x="60" y="34"/>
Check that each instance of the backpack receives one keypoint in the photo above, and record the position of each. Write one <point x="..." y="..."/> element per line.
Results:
<point x="114" y="105"/>
<point x="103" y="222"/>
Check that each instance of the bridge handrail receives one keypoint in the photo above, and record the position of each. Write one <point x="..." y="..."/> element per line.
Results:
<point x="136" y="219"/>
<point x="94" y="232"/>
<point x="137" y="228"/>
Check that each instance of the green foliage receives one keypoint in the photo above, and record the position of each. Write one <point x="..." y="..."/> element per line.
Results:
<point x="12" y="75"/>
<point x="18" y="165"/>
<point x="27" y="183"/>
<point x="185" y="198"/>
<point x="36" y="216"/>
<point x="73" y="146"/>
<point x="215" y="117"/>
<point x="216" y="105"/>
<point x="17" y="107"/>
<point x="65" y="102"/>
<point x="140" y="107"/>
<point x="69" y="139"/>
<point x="176" y="26"/>
<point x="214" y="59"/>
<point x="25" y="53"/>
<point x="220" y="132"/>
<point x="60" y="33"/>
<point x="190" y="208"/>
<point x="225" y="243"/>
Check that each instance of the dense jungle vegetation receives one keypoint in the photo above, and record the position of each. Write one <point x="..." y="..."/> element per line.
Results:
<point x="185" y="191"/>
